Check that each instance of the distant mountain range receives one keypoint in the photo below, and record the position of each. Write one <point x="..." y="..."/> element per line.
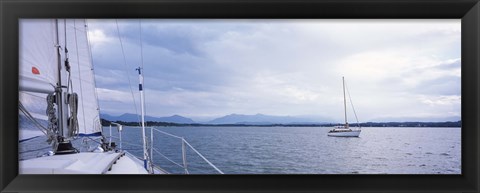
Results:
<point x="127" y="117"/>
<point x="261" y="119"/>
<point x="258" y="119"/>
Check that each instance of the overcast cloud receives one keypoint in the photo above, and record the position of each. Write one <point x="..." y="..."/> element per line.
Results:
<point x="394" y="69"/>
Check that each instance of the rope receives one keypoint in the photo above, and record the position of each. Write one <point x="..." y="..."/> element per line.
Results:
<point x="52" y="121"/>
<point x="72" y="119"/>
<point x="66" y="62"/>
<point x="128" y="76"/>
<point x="351" y="102"/>
<point x="72" y="99"/>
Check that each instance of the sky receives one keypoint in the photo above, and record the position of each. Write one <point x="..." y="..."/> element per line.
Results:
<point x="395" y="70"/>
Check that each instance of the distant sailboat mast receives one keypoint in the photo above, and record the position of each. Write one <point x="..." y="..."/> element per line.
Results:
<point x="344" y="102"/>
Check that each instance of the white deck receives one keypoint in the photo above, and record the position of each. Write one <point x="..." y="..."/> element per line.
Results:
<point x="83" y="163"/>
<point x="127" y="165"/>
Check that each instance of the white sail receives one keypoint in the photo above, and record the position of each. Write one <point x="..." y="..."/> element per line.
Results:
<point x="82" y="75"/>
<point x="38" y="56"/>
<point x="38" y="72"/>
<point x="39" y="66"/>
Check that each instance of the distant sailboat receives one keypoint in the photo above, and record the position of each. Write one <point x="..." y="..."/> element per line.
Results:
<point x="345" y="130"/>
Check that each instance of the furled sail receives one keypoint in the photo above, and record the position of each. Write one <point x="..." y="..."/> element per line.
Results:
<point x="38" y="68"/>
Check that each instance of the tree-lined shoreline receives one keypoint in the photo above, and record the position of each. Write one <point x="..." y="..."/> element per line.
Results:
<point x="366" y="124"/>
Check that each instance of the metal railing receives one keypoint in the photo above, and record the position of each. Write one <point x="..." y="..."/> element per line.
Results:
<point x="152" y="149"/>
<point x="185" y="144"/>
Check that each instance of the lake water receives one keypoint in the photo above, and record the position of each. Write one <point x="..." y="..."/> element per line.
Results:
<point x="300" y="150"/>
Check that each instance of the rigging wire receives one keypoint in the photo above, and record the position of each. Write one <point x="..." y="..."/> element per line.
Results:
<point x="128" y="74"/>
<point x="168" y="159"/>
<point x="190" y="146"/>
<point x="349" y="97"/>
<point x="39" y="126"/>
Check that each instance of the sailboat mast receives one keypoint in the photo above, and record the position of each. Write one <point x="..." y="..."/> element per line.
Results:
<point x="59" y="90"/>
<point x="344" y="102"/>
<point x="142" y="102"/>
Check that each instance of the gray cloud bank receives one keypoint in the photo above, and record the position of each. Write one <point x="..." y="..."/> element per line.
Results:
<point x="209" y="68"/>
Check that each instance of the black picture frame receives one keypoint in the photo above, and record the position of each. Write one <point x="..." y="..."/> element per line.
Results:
<point x="468" y="10"/>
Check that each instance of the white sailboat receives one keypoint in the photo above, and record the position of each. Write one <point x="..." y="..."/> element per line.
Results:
<point x="56" y="70"/>
<point x="345" y="130"/>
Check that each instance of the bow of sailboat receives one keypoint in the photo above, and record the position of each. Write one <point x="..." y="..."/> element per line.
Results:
<point x="56" y="69"/>
<point x="57" y="78"/>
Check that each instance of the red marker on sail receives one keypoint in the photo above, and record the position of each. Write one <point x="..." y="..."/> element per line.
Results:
<point x="35" y="70"/>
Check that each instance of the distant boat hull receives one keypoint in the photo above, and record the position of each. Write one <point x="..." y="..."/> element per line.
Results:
<point x="344" y="133"/>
